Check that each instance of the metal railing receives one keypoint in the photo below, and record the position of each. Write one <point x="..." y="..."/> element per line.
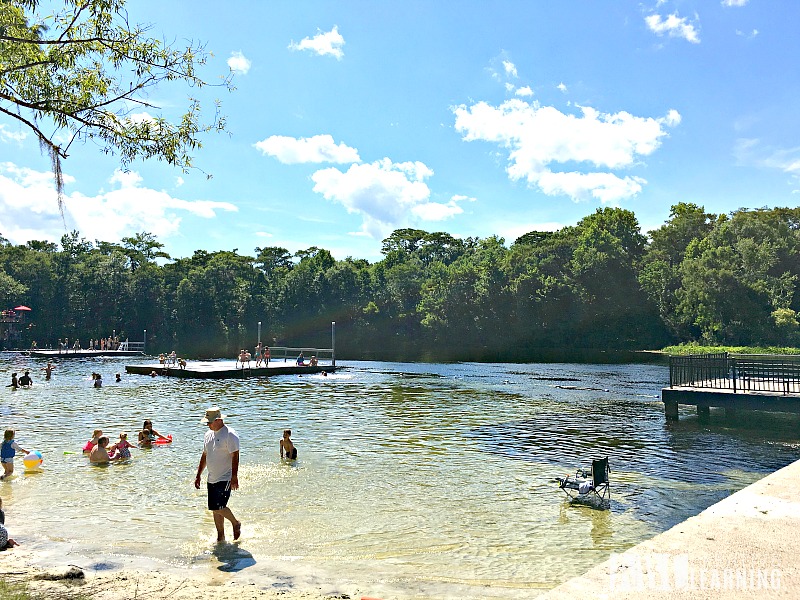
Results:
<point x="286" y="353"/>
<point x="740" y="373"/>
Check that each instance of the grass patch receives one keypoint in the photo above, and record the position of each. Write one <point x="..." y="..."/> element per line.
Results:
<point x="684" y="349"/>
<point x="14" y="591"/>
<point x="19" y="590"/>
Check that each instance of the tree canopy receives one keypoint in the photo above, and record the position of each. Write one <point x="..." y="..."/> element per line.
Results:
<point x="599" y="284"/>
<point x="84" y="73"/>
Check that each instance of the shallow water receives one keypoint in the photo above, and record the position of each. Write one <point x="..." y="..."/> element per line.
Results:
<point x="414" y="480"/>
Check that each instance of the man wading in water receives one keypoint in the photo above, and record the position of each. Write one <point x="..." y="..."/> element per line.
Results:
<point x="221" y="456"/>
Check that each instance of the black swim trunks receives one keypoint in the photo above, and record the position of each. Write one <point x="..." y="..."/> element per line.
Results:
<point x="218" y="495"/>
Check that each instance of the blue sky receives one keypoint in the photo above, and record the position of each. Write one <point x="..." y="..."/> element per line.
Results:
<point x="355" y="118"/>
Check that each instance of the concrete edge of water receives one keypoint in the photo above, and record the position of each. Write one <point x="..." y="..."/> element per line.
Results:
<point x="745" y="546"/>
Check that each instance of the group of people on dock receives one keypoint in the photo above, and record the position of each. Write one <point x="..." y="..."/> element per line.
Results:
<point x="172" y="359"/>
<point x="261" y="355"/>
<point x="102" y="344"/>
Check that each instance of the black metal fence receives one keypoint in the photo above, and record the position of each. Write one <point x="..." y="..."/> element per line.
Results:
<point x="740" y="373"/>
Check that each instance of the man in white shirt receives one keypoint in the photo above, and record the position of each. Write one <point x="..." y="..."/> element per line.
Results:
<point x="221" y="456"/>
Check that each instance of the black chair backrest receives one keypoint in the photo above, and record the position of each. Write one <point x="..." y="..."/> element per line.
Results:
<point x="600" y="471"/>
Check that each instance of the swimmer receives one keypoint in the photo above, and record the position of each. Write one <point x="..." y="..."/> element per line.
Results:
<point x="286" y="445"/>
<point x="148" y="435"/>
<point x="96" y="435"/>
<point x="100" y="455"/>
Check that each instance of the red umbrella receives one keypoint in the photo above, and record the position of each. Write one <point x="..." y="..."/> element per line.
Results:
<point x="23" y="307"/>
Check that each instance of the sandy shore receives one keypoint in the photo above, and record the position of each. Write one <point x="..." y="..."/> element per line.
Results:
<point x="129" y="584"/>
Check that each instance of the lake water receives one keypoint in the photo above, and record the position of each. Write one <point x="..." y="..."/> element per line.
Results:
<point x="414" y="480"/>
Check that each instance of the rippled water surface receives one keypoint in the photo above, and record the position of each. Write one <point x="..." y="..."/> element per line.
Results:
<point x="414" y="480"/>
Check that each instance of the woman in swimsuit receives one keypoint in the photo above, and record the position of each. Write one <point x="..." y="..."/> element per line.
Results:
<point x="148" y="435"/>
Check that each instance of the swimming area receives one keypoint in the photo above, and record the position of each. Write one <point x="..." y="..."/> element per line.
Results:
<point x="413" y="480"/>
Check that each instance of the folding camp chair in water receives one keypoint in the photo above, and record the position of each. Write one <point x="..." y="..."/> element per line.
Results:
<point x="585" y="483"/>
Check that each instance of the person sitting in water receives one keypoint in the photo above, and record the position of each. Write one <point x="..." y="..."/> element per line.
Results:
<point x="48" y="370"/>
<point x="98" y="380"/>
<point x="118" y="378"/>
<point x="25" y="380"/>
<point x="287" y="447"/>
<point x="96" y="435"/>
<point x="100" y="453"/>
<point x="148" y="435"/>
<point x="14" y="382"/>
<point x="5" y="541"/>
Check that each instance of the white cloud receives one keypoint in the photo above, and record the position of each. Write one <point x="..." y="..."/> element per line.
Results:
<point x="561" y="86"/>
<point x="29" y="208"/>
<point x="536" y="137"/>
<point x="323" y="43"/>
<point x="510" y="68"/>
<point x="316" y="149"/>
<point x="263" y="234"/>
<point x="142" y="117"/>
<point x="436" y="211"/>
<point x="734" y="2"/>
<point x="6" y="135"/>
<point x="673" y="26"/>
<point x="750" y="152"/>
<point x="179" y="181"/>
<point x="748" y="36"/>
<point x="385" y="194"/>
<point x="125" y="179"/>
<point x="524" y="91"/>
<point x="509" y="87"/>
<point x="238" y="63"/>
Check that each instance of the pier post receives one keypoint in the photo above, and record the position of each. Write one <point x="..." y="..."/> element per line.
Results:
<point x="333" y="343"/>
<point x="671" y="410"/>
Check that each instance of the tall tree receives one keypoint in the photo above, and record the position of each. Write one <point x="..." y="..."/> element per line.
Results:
<point x="83" y="72"/>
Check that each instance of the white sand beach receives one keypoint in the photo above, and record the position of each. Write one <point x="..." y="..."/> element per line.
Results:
<point x="17" y="566"/>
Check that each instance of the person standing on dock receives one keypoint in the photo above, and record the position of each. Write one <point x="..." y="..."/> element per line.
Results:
<point x="221" y="456"/>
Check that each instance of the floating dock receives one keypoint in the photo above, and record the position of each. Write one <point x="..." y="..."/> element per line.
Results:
<point x="83" y="353"/>
<point x="226" y="369"/>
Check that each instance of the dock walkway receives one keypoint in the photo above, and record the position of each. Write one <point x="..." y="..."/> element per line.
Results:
<point x="733" y="382"/>
<point x="226" y="369"/>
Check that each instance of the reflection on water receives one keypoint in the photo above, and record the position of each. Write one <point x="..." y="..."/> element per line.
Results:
<point x="432" y="479"/>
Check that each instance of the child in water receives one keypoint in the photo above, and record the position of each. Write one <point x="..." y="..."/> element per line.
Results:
<point x="123" y="446"/>
<point x="286" y="445"/>
<point x="5" y="541"/>
<point x="8" y="449"/>
<point x="96" y="435"/>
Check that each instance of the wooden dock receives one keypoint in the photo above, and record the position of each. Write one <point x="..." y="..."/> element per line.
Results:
<point x="733" y="382"/>
<point x="83" y="353"/>
<point x="226" y="369"/>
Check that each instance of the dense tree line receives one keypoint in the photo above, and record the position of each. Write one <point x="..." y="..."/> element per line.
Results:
<point x="729" y="279"/>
